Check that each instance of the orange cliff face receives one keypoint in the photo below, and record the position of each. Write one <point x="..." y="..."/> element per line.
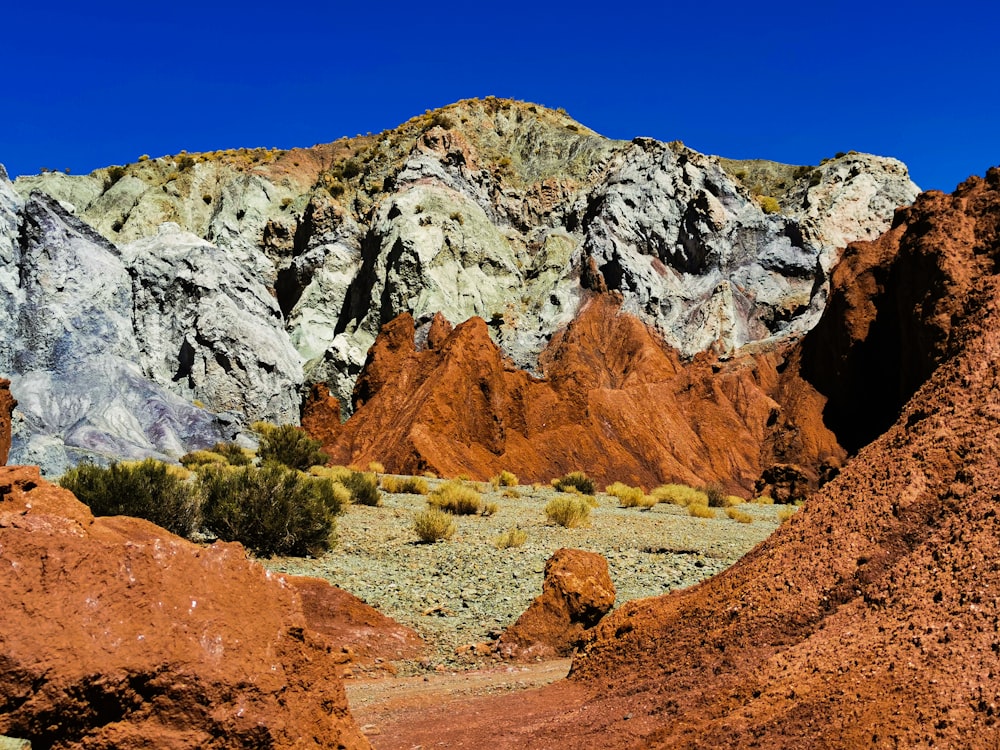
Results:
<point x="615" y="402"/>
<point x="7" y="404"/>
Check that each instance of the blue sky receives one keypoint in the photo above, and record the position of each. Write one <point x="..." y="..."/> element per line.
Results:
<point x="88" y="85"/>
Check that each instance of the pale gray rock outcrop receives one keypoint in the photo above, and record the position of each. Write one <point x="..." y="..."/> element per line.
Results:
<point x="74" y="363"/>
<point x="208" y="329"/>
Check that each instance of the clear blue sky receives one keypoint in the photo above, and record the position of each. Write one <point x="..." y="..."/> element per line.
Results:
<point x="92" y="84"/>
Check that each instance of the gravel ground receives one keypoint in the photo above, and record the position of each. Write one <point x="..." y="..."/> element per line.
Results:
<point x="465" y="590"/>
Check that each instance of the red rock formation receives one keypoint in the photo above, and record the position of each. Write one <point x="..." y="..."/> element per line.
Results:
<point x="361" y="634"/>
<point x="117" y="634"/>
<point x="577" y="592"/>
<point x="872" y="618"/>
<point x="616" y="402"/>
<point x="7" y="404"/>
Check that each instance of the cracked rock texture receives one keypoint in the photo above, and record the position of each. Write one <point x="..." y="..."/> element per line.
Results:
<point x="487" y="208"/>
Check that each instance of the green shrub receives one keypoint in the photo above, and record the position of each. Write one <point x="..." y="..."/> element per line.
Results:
<point x="404" y="485"/>
<point x="456" y="498"/>
<point x="715" y="495"/>
<point x="568" y="511"/>
<point x="577" y="480"/>
<point x="513" y="537"/>
<point x="364" y="488"/>
<point x="288" y="445"/>
<point x="433" y="524"/>
<point x="271" y="510"/>
<point x="193" y="459"/>
<point x="234" y="454"/>
<point x="148" y="489"/>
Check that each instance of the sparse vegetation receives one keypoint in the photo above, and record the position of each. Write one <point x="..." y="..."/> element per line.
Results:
<point x="288" y="445"/>
<point x="577" y="480"/>
<point x="763" y="500"/>
<point x="700" y="511"/>
<point x="404" y="485"/>
<point x="768" y="204"/>
<point x="363" y="487"/>
<point x="738" y="515"/>
<point x="193" y="459"/>
<point x="628" y="497"/>
<point x="433" y="524"/>
<point x="570" y="512"/>
<point x="114" y="174"/>
<point x="234" y="454"/>
<point x="679" y="494"/>
<point x="272" y="510"/>
<point x="147" y="489"/>
<point x="504" y="479"/>
<point x="456" y="498"/>
<point x="376" y="466"/>
<point x="513" y="537"/>
<point x="715" y="496"/>
<point x="785" y="513"/>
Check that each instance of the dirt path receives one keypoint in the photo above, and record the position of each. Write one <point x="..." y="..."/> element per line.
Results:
<point x="393" y="711"/>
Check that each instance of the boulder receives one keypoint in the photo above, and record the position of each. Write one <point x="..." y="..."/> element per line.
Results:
<point x="118" y="634"/>
<point x="576" y="593"/>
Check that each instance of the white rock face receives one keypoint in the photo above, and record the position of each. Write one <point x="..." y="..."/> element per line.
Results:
<point x="209" y="330"/>
<point x="74" y="361"/>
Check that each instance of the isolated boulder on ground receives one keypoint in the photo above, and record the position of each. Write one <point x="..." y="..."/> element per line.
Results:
<point x="577" y="592"/>
<point x="119" y="635"/>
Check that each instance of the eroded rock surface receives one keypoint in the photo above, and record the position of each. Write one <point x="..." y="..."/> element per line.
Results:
<point x="576" y="593"/>
<point x="117" y="634"/>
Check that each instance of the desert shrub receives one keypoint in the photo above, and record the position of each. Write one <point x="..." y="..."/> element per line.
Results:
<point x="568" y="511"/>
<point x="377" y="467"/>
<point x="511" y="494"/>
<point x="785" y="513"/>
<point x="341" y="495"/>
<point x="363" y="486"/>
<point x="715" y="495"/>
<point x="513" y="537"/>
<point x="731" y="501"/>
<point x="456" y="498"/>
<point x="576" y="479"/>
<point x="144" y="157"/>
<point x="628" y="497"/>
<point x="433" y="524"/>
<point x="646" y="502"/>
<point x="504" y="479"/>
<point x="234" y="454"/>
<point x="272" y="510"/>
<point x="738" y="515"/>
<point x="763" y="500"/>
<point x="192" y="459"/>
<point x="336" y="473"/>
<point x="404" y="485"/>
<point x="186" y="161"/>
<point x="147" y="489"/>
<point x="768" y="204"/>
<point x="114" y="174"/>
<point x="288" y="445"/>
<point x="489" y="509"/>
<point x="679" y="494"/>
<point x="700" y="511"/>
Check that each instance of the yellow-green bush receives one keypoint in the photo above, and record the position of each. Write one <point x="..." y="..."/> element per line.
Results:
<point x="787" y="512"/>
<point x="568" y="511"/>
<point x="234" y="454"/>
<point x="404" y="485"/>
<point x="679" y="494"/>
<point x="513" y="537"/>
<point x="738" y="515"/>
<point x="628" y="497"/>
<point x="576" y="480"/>
<point x="433" y="524"/>
<point x="700" y="511"/>
<point x="456" y="498"/>
<point x="504" y="479"/>
<point x="288" y="445"/>
<point x="197" y="458"/>
<point x="363" y="486"/>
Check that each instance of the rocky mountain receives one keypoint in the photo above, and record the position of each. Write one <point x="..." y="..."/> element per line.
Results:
<point x="229" y="283"/>
<point x="871" y="618"/>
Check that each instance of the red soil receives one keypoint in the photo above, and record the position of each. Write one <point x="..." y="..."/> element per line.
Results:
<point x="117" y="634"/>
<point x="872" y="618"/>
<point x="7" y="404"/>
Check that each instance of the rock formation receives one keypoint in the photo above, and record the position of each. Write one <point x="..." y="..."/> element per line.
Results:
<point x="872" y="617"/>
<point x="576" y="593"/>
<point x="117" y="634"/>
<point x="493" y="209"/>
<point x="7" y="404"/>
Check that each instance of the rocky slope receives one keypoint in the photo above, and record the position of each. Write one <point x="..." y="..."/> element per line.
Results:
<point x="496" y="209"/>
<point x="872" y="617"/>
<point x="117" y="634"/>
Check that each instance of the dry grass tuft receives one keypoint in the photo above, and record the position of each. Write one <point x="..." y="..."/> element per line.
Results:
<point x="679" y="494"/>
<point x="513" y="537"/>
<point x="787" y="512"/>
<point x="575" y="480"/>
<point x="628" y="497"/>
<point x="376" y="466"/>
<point x="504" y="479"/>
<point x="738" y="515"/>
<point x="404" y="485"/>
<point x="432" y="524"/>
<point x="700" y="511"/>
<point x="456" y="498"/>
<point x="569" y="512"/>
